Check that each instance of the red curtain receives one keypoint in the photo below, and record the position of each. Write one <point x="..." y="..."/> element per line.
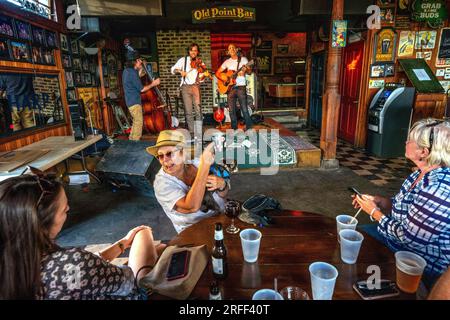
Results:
<point x="220" y="42"/>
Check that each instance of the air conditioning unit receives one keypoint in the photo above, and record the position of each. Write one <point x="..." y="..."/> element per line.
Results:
<point x="324" y="7"/>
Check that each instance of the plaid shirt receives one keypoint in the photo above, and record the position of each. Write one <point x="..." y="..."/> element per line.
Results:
<point x="420" y="219"/>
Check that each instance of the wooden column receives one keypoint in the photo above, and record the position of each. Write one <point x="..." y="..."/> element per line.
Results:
<point x="332" y="98"/>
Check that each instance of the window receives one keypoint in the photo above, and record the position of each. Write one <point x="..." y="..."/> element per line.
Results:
<point x="40" y="7"/>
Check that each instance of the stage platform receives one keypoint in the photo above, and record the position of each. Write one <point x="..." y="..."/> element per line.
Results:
<point x="307" y="155"/>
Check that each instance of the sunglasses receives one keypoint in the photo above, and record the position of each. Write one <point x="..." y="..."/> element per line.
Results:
<point x="43" y="191"/>
<point x="169" y="154"/>
<point x="432" y="125"/>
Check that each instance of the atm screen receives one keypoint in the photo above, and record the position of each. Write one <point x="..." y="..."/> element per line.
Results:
<point x="387" y="93"/>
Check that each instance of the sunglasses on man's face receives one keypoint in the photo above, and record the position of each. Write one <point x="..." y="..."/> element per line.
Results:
<point x="170" y="155"/>
<point x="432" y="125"/>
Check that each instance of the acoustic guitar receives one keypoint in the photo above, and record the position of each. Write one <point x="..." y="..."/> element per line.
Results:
<point x="225" y="86"/>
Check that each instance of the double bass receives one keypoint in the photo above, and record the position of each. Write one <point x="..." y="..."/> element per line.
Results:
<point x="154" y="106"/>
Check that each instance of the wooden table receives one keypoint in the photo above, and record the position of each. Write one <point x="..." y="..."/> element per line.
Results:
<point x="287" y="249"/>
<point x="61" y="148"/>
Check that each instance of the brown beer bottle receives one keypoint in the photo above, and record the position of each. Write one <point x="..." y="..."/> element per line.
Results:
<point x="219" y="254"/>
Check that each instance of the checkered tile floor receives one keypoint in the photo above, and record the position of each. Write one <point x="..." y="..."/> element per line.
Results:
<point x="376" y="170"/>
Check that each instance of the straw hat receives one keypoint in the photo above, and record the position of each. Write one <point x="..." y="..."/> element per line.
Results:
<point x="167" y="138"/>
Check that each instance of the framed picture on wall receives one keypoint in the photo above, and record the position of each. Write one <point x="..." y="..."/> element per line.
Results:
<point x="377" y="70"/>
<point x="23" y="30"/>
<point x="385" y="44"/>
<point x="48" y="56"/>
<point x="64" y="42"/>
<point x="51" y="39"/>
<point x="282" y="49"/>
<point x="38" y="36"/>
<point x="74" y="47"/>
<point x="71" y="95"/>
<point x="78" y="79"/>
<point x="20" y="51"/>
<point x="76" y="64"/>
<point x="36" y="54"/>
<point x="87" y="79"/>
<point x="6" y="26"/>
<point x="5" y="52"/>
<point x="264" y="61"/>
<point x="389" y="69"/>
<point x="283" y="64"/>
<point x="85" y="64"/>
<point x="66" y="61"/>
<point x="69" y="79"/>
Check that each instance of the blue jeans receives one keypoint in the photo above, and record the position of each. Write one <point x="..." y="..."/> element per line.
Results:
<point x="241" y="94"/>
<point x="371" y="229"/>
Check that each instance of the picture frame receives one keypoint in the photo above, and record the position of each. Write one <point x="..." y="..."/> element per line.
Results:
<point x="50" y="37"/>
<point x="71" y="95"/>
<point x="282" y="49"/>
<point x="36" y="55"/>
<point x="23" y="30"/>
<point x="377" y="70"/>
<point x="385" y="45"/>
<point x="7" y="26"/>
<point x="426" y="55"/>
<point x="85" y="64"/>
<point x="20" y="51"/>
<point x="69" y="79"/>
<point x="265" y="45"/>
<point x="64" y="42"/>
<point x="87" y="79"/>
<point x="74" y="47"/>
<point x="5" y="50"/>
<point x="440" y="72"/>
<point x="106" y="82"/>
<point x="78" y="79"/>
<point x="38" y="36"/>
<point x="48" y="56"/>
<point x="264" y="61"/>
<point x="283" y="65"/>
<point x="389" y="70"/>
<point x="66" y="61"/>
<point x="76" y="64"/>
<point x="387" y="16"/>
<point x="406" y="43"/>
<point x="425" y="40"/>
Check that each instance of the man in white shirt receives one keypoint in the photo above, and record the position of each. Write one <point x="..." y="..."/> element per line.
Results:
<point x="190" y="88"/>
<point x="239" y="89"/>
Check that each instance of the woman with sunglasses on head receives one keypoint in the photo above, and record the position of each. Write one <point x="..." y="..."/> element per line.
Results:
<point x="33" y="210"/>
<point x="182" y="186"/>
<point x="417" y="219"/>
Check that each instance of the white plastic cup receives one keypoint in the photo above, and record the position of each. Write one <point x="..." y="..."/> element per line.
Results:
<point x="267" y="294"/>
<point x="250" y="241"/>
<point x="323" y="279"/>
<point x="410" y="267"/>
<point x="351" y="241"/>
<point x="343" y="222"/>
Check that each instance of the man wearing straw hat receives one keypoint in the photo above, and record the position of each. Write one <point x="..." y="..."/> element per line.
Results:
<point x="186" y="190"/>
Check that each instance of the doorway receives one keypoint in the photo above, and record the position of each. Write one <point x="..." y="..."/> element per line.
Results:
<point x="350" y="87"/>
<point x="317" y="82"/>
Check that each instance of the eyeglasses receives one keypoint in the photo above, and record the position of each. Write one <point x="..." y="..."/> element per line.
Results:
<point x="432" y="125"/>
<point x="43" y="191"/>
<point x="169" y="154"/>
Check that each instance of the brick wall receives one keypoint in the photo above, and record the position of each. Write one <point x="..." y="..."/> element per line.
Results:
<point x="172" y="45"/>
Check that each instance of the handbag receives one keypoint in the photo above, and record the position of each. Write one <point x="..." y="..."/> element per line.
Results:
<point x="156" y="281"/>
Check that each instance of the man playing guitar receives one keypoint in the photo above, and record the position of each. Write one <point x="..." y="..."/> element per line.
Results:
<point x="190" y="88"/>
<point x="239" y="89"/>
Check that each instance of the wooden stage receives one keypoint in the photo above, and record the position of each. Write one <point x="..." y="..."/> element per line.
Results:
<point x="308" y="155"/>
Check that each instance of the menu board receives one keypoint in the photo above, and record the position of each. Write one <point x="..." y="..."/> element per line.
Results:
<point x="444" y="45"/>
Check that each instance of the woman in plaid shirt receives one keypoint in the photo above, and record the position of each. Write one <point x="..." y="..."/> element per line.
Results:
<point x="417" y="219"/>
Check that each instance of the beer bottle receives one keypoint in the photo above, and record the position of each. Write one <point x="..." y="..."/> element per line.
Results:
<point x="219" y="254"/>
<point x="214" y="291"/>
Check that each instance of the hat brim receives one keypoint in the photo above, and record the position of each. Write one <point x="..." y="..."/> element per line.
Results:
<point x="153" y="150"/>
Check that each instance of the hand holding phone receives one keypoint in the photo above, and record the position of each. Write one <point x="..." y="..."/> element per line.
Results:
<point x="179" y="265"/>
<point x="352" y="189"/>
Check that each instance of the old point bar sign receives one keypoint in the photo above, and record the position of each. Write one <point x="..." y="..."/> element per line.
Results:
<point x="210" y="15"/>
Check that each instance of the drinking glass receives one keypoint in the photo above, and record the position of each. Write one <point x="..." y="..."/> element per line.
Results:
<point x="232" y="210"/>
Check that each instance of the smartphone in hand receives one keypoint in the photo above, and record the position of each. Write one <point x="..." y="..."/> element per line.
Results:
<point x="387" y="289"/>
<point x="352" y="189"/>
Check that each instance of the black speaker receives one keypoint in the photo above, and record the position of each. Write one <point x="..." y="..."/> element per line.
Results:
<point x="126" y="164"/>
<point x="78" y="120"/>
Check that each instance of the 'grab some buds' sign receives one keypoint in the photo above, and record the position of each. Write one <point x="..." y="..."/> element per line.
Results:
<point x="432" y="11"/>
<point x="237" y="14"/>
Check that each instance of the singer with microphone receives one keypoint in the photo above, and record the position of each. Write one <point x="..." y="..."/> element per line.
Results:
<point x="239" y="89"/>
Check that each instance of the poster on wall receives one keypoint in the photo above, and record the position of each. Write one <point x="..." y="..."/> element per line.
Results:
<point x="426" y="55"/>
<point x="444" y="44"/>
<point x="387" y="16"/>
<point x="385" y="41"/>
<point x="264" y="61"/>
<point x="406" y="43"/>
<point x="403" y="7"/>
<point x="339" y="34"/>
<point x="375" y="84"/>
<point x="6" y="26"/>
<point x="426" y="40"/>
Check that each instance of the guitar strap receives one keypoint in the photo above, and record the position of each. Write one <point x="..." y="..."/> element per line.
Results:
<point x="184" y="69"/>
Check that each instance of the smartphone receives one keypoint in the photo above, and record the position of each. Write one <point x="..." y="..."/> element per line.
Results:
<point x="351" y="189"/>
<point x="387" y="289"/>
<point x="179" y="265"/>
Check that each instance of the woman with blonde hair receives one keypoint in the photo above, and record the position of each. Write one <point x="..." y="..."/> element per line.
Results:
<point x="417" y="219"/>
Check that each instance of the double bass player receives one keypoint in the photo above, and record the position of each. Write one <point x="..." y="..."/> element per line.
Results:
<point x="132" y="88"/>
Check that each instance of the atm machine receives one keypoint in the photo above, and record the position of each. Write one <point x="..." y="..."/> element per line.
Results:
<point x="389" y="120"/>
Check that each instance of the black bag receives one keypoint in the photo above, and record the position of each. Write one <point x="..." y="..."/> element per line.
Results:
<point x="259" y="203"/>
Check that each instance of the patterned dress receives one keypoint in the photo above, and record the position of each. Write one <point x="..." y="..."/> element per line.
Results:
<point x="78" y="274"/>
